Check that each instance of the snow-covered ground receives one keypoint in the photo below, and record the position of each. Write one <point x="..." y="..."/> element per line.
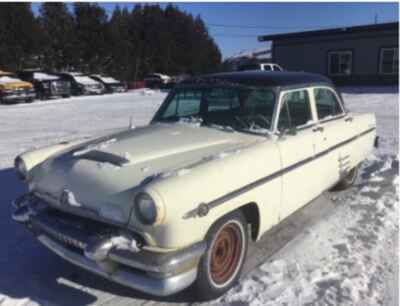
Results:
<point x="348" y="257"/>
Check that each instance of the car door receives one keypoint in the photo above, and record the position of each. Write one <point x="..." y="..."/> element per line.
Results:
<point x="296" y="144"/>
<point x="333" y="130"/>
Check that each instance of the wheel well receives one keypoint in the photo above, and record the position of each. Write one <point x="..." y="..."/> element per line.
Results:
<point x="252" y="216"/>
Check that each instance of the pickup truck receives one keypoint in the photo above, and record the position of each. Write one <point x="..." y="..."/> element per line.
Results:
<point x="14" y="90"/>
<point x="226" y="158"/>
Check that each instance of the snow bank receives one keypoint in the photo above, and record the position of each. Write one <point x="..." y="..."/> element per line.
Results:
<point x="343" y="260"/>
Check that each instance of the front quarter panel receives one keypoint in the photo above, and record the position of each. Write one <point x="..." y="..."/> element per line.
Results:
<point x="182" y="193"/>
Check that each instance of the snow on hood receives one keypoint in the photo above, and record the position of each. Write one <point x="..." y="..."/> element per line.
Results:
<point x="108" y="80"/>
<point x="151" y="151"/>
<point x="85" y="80"/>
<point x="44" y="76"/>
<point x="7" y="79"/>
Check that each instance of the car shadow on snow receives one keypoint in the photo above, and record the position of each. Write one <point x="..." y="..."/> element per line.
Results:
<point x="29" y="270"/>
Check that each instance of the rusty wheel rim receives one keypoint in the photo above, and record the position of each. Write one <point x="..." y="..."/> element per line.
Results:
<point x="226" y="253"/>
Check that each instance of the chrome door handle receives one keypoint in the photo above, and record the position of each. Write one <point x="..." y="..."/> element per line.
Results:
<point x="318" y="129"/>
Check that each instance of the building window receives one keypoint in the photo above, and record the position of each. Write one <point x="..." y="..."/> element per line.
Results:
<point x="340" y="62"/>
<point x="389" y="61"/>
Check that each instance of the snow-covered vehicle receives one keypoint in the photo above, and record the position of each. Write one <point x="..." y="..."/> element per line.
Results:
<point x="46" y="85"/>
<point x="110" y="84"/>
<point x="82" y="84"/>
<point x="14" y="90"/>
<point x="156" y="80"/>
<point x="225" y="158"/>
<point x="261" y="66"/>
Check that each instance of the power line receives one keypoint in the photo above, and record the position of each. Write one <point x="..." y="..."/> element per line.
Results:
<point x="270" y="27"/>
<point x="235" y="35"/>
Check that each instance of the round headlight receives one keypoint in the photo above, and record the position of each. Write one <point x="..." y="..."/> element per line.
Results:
<point x="20" y="168"/>
<point x="145" y="208"/>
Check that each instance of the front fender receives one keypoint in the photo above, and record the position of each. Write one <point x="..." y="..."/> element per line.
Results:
<point x="204" y="183"/>
<point x="35" y="157"/>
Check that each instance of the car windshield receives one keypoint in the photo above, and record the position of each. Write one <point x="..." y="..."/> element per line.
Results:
<point x="238" y="108"/>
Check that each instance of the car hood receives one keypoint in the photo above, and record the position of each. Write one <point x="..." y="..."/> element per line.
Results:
<point x="103" y="175"/>
<point x="16" y="85"/>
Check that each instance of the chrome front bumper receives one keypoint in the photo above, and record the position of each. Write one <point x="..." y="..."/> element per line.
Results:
<point x="151" y="285"/>
<point x="159" y="274"/>
<point x="19" y="96"/>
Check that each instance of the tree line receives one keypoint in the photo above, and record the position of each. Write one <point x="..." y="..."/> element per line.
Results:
<point x="127" y="45"/>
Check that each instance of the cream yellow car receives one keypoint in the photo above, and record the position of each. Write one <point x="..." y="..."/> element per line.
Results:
<point x="13" y="90"/>
<point x="173" y="204"/>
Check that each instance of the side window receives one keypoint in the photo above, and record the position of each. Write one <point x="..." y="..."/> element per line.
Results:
<point x="327" y="104"/>
<point x="267" y="68"/>
<point x="277" y="68"/>
<point x="295" y="110"/>
<point x="185" y="103"/>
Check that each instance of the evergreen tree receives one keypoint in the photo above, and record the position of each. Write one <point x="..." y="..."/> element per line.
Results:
<point x="120" y="45"/>
<point x="90" y="31"/>
<point x="58" y="28"/>
<point x="128" y="45"/>
<point x="20" y="35"/>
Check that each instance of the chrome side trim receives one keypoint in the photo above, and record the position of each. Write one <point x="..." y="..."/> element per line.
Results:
<point x="203" y="208"/>
<point x="138" y="281"/>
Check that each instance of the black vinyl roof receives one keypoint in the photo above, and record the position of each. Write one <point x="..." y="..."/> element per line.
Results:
<point x="332" y="32"/>
<point x="262" y="78"/>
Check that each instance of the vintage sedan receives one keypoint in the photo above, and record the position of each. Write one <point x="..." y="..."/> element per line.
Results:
<point x="225" y="158"/>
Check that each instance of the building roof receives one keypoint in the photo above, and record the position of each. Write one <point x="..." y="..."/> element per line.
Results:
<point x="262" y="78"/>
<point x="331" y="32"/>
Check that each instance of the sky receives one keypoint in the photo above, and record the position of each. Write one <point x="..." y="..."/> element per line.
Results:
<point x="235" y="26"/>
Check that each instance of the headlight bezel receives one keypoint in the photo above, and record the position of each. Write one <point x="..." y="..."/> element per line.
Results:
<point x="21" y="169"/>
<point x="145" y="209"/>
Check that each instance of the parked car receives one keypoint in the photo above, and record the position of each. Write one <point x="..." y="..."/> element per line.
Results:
<point x="46" y="85"/>
<point x="13" y="90"/>
<point x="82" y="84"/>
<point x="225" y="158"/>
<point x="261" y="66"/>
<point x="173" y="81"/>
<point x="156" y="80"/>
<point x="110" y="84"/>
